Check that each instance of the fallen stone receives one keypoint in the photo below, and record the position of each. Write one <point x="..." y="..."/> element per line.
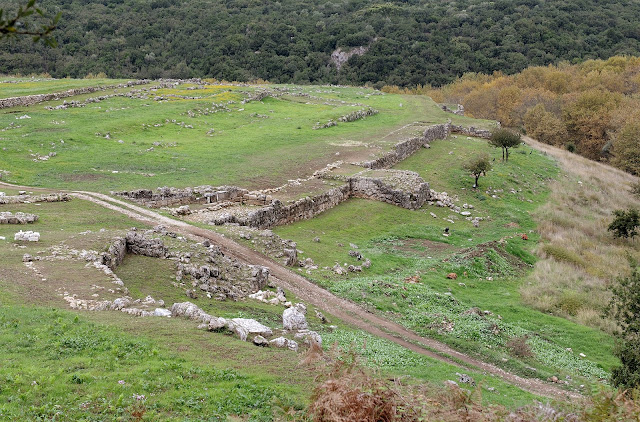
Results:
<point x="27" y="236"/>
<point x="162" y="312"/>
<point x="260" y="341"/>
<point x="283" y="342"/>
<point x="338" y="269"/>
<point x="216" y="324"/>
<point x="309" y="337"/>
<point x="248" y="326"/>
<point x="190" y="311"/>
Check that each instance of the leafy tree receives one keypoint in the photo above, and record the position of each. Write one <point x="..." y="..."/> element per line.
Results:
<point x="505" y="139"/>
<point x="478" y="166"/>
<point x="626" y="148"/>
<point x="625" y="223"/>
<point x="624" y="308"/>
<point x="544" y="126"/>
<point x="18" y="24"/>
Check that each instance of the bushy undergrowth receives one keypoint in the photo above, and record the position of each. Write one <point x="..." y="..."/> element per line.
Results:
<point x="427" y="311"/>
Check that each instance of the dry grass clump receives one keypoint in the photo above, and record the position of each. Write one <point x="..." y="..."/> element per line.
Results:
<point x="580" y="258"/>
<point x="346" y="392"/>
<point x="518" y="347"/>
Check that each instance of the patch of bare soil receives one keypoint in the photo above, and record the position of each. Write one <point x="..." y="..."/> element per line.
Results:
<point x="82" y="177"/>
<point x="423" y="247"/>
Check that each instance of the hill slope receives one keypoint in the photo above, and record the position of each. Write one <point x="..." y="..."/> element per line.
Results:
<point x="406" y="42"/>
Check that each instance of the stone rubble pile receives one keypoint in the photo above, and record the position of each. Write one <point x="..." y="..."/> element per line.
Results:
<point x="458" y="111"/>
<point x="17" y="218"/>
<point x="274" y="298"/>
<point x="208" y="269"/>
<point x="28" y="236"/>
<point x="141" y="307"/>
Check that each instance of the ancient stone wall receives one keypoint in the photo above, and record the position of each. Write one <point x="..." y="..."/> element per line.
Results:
<point x="166" y="196"/>
<point x="28" y="199"/>
<point x="459" y="110"/>
<point x="377" y="189"/>
<point x="28" y="100"/>
<point x="471" y="131"/>
<point x="411" y="196"/>
<point x="276" y="214"/>
<point x="404" y="149"/>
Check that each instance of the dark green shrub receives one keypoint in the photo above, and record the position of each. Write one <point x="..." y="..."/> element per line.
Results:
<point x="625" y="223"/>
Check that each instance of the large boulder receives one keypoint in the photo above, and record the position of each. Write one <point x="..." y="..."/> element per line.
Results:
<point x="244" y="326"/>
<point x="190" y="311"/>
<point x="139" y="244"/>
<point x="293" y="318"/>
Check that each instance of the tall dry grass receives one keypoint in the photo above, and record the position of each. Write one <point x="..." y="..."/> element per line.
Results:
<point x="580" y="258"/>
<point x="347" y="392"/>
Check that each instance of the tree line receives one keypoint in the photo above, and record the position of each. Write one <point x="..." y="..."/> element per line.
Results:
<point x="410" y="42"/>
<point x="592" y="108"/>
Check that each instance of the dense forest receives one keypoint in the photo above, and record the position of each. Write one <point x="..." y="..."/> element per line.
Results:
<point x="592" y="108"/>
<point x="407" y="42"/>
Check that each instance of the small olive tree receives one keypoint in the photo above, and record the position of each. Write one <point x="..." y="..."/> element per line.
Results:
<point x="478" y="166"/>
<point x="505" y="139"/>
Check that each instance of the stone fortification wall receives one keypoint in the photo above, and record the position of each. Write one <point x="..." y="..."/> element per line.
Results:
<point x="380" y="189"/>
<point x="404" y="149"/>
<point x="28" y="199"/>
<point x="277" y="214"/>
<point x="471" y="131"/>
<point x="167" y="196"/>
<point x="28" y="100"/>
<point x="401" y="188"/>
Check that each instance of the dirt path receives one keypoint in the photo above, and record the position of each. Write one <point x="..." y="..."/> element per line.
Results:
<point x="305" y="290"/>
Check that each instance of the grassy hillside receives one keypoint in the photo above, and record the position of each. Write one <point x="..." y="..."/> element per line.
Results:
<point x="409" y="42"/>
<point x="491" y="262"/>
<point x="193" y="135"/>
<point x="516" y="302"/>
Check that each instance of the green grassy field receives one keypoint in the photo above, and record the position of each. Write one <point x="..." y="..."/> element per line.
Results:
<point x="17" y="87"/>
<point x="128" y="143"/>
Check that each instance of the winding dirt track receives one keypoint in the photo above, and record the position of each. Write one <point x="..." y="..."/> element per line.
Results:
<point x="343" y="309"/>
